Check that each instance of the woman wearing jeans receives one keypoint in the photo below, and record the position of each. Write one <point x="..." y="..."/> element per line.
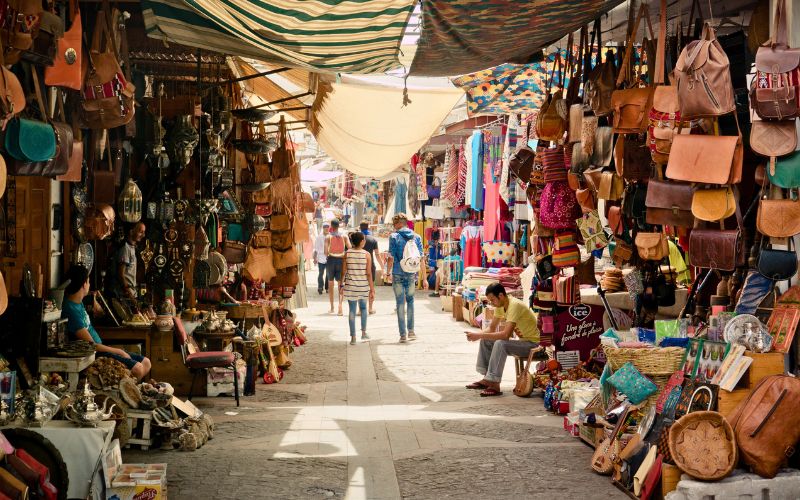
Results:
<point x="358" y="285"/>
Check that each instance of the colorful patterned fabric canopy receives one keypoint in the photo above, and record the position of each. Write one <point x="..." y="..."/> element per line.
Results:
<point x="463" y="36"/>
<point x="350" y="36"/>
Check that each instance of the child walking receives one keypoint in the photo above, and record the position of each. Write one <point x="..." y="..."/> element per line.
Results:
<point x="358" y="284"/>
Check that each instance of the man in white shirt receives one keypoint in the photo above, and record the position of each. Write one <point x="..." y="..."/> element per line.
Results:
<point x="320" y="259"/>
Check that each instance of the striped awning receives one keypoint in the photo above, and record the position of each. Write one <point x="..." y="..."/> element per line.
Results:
<point x="464" y="36"/>
<point x="350" y="36"/>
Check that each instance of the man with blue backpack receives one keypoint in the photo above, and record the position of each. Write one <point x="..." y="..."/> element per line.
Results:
<point x="405" y="248"/>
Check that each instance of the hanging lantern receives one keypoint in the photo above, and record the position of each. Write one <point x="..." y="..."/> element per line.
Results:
<point x="130" y="202"/>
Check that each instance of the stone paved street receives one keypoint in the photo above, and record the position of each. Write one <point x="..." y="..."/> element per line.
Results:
<point x="382" y="420"/>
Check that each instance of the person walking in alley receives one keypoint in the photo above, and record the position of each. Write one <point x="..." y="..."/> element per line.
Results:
<point x="320" y="259"/>
<point x="405" y="247"/>
<point x="358" y="284"/>
<point x="371" y="246"/>
<point x="335" y="246"/>
<point x="497" y="344"/>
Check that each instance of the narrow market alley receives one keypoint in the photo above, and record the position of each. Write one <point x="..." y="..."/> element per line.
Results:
<point x="382" y="420"/>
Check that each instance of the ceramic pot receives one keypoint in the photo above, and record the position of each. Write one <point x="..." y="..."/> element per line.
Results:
<point x="164" y="323"/>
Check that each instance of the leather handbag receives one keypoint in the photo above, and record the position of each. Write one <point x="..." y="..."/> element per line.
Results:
<point x="288" y="277"/>
<point x="767" y="424"/>
<point x="632" y="159"/>
<point x="282" y="195"/>
<point x="300" y="228"/>
<point x="713" y="204"/>
<point x="586" y="199"/>
<point x="773" y="138"/>
<point x="280" y="222"/>
<point x="669" y="203"/>
<point x="43" y="48"/>
<point x="785" y="172"/>
<point x="261" y="197"/>
<point x="524" y="384"/>
<point x="234" y="251"/>
<point x="778" y="218"/>
<point x="706" y="159"/>
<point x="631" y="106"/>
<point x="601" y="84"/>
<point x="777" y="265"/>
<point x="258" y="264"/>
<point x="603" y="147"/>
<point x="521" y="163"/>
<point x="108" y="97"/>
<point x="580" y="161"/>
<point x="611" y="187"/>
<point x="68" y="61"/>
<point x="593" y="177"/>
<point x="704" y="78"/>
<point x="723" y="250"/>
<point x="282" y="240"/>
<point x="12" y="96"/>
<point x="282" y="259"/>
<point x="305" y="202"/>
<point x="261" y="239"/>
<point x="775" y="91"/>
<point x="18" y="34"/>
<point x="652" y="246"/>
<point x="615" y="222"/>
<point x="283" y="160"/>
<point x="664" y="122"/>
<point x="550" y="124"/>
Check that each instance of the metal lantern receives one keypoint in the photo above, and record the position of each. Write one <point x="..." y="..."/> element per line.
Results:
<point x="130" y="202"/>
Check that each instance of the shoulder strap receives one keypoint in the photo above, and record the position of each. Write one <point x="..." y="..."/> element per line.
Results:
<point x="658" y="78"/>
<point x="38" y="90"/>
<point x="624" y="70"/>
<point x="779" y="34"/>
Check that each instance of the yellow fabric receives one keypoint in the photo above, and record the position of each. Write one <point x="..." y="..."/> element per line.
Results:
<point x="676" y="262"/>
<point x="523" y="318"/>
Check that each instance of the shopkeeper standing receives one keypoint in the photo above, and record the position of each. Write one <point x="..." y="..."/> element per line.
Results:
<point x="496" y="343"/>
<point x="123" y="277"/>
<point x="80" y="327"/>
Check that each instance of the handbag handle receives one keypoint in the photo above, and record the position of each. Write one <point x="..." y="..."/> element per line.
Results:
<point x="704" y="388"/>
<point x="624" y="70"/>
<point x="658" y="77"/>
<point x="38" y="91"/>
<point x="780" y="36"/>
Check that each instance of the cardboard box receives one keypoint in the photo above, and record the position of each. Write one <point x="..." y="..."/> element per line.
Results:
<point x="132" y="481"/>
<point x="764" y="365"/>
<point x="728" y="401"/>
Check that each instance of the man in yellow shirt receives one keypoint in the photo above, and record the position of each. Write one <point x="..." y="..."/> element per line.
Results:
<point x="496" y="344"/>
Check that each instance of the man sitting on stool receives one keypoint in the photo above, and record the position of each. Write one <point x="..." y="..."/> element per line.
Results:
<point x="496" y="344"/>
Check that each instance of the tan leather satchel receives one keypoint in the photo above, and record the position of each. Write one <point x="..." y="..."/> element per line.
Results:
<point x="261" y="239"/>
<point x="550" y="124"/>
<point x="669" y="203"/>
<point x="68" y="63"/>
<point x="611" y="187"/>
<point x="704" y="78"/>
<point x="300" y="228"/>
<point x="713" y="205"/>
<point x="258" y="264"/>
<point x="773" y="138"/>
<point x="767" y="424"/>
<point x="280" y="222"/>
<point x="707" y="159"/>
<point x="282" y="240"/>
<point x="282" y="259"/>
<point x="601" y="85"/>
<point x="778" y="218"/>
<point x="652" y="246"/>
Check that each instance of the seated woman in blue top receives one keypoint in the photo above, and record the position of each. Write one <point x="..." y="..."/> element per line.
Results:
<point x="80" y="327"/>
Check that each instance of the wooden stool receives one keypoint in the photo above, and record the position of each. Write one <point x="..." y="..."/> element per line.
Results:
<point x="139" y="424"/>
<point x="519" y="361"/>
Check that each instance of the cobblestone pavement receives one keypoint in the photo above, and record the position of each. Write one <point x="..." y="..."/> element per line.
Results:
<point x="382" y="420"/>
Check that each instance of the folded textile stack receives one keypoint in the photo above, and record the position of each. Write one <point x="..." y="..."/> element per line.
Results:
<point x="509" y="277"/>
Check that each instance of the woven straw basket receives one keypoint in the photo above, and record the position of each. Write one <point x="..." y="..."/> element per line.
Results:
<point x="703" y="445"/>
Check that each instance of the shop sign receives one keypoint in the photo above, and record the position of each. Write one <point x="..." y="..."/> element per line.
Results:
<point x="578" y="328"/>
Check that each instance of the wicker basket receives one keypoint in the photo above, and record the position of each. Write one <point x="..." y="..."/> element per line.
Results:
<point x="649" y="361"/>
<point x="703" y="445"/>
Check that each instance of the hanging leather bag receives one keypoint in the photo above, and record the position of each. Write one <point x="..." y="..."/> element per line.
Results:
<point x="261" y="239"/>
<point x="785" y="172"/>
<point x="67" y="67"/>
<point x="521" y="163"/>
<point x="713" y="205"/>
<point x="773" y="138"/>
<point x="43" y="48"/>
<point x="282" y="259"/>
<point x="603" y="150"/>
<point x="669" y="203"/>
<point x="632" y="105"/>
<point x="777" y="265"/>
<point x="234" y="251"/>
<point x="721" y="249"/>
<point x="704" y="78"/>
<point x="283" y="157"/>
<point x="550" y="124"/>
<point x="33" y="144"/>
<point x="775" y="91"/>
<point x="767" y="424"/>
<point x="652" y="246"/>
<point x="258" y="264"/>
<point x="778" y="218"/>
<point x="20" y="26"/>
<point x="706" y="159"/>
<point x="602" y="80"/>
<point x="611" y="187"/>
<point x="300" y="228"/>
<point x="632" y="159"/>
<point x="108" y="97"/>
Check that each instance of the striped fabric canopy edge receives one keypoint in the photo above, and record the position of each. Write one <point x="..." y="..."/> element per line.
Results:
<point x="351" y="36"/>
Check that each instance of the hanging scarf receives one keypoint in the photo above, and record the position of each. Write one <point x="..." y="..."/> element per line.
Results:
<point x="462" y="177"/>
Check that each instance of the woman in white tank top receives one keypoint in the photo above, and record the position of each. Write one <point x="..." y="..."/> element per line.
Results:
<point x="358" y="284"/>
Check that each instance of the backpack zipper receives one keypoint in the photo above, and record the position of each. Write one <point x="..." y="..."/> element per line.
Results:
<point x="709" y="92"/>
<point x="769" y="414"/>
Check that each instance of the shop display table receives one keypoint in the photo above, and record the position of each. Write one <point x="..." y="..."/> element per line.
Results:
<point x="622" y="300"/>
<point x="81" y="449"/>
<point x="72" y="366"/>
<point x="121" y="334"/>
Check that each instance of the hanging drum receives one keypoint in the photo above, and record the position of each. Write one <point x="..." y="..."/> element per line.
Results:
<point x="130" y="202"/>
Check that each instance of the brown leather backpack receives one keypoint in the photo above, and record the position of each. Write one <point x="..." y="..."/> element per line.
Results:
<point x="602" y="79"/>
<point x="632" y="105"/>
<point x="767" y="424"/>
<point x="551" y="124"/>
<point x="704" y="78"/>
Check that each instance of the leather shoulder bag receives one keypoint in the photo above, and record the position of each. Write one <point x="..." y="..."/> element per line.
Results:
<point x="669" y="203"/>
<point x="706" y="159"/>
<point x="550" y="124"/>
<point x="601" y="84"/>
<point x="33" y="143"/>
<point x="632" y="105"/>
<point x="632" y="159"/>
<point x="778" y="218"/>
<point x="704" y="78"/>
<point x="773" y="138"/>
<point x="777" y="265"/>
<point x="721" y="249"/>
<point x="652" y="246"/>
<point x="68" y="63"/>
<point x="785" y="172"/>
<point x="775" y="91"/>
<point x="713" y="205"/>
